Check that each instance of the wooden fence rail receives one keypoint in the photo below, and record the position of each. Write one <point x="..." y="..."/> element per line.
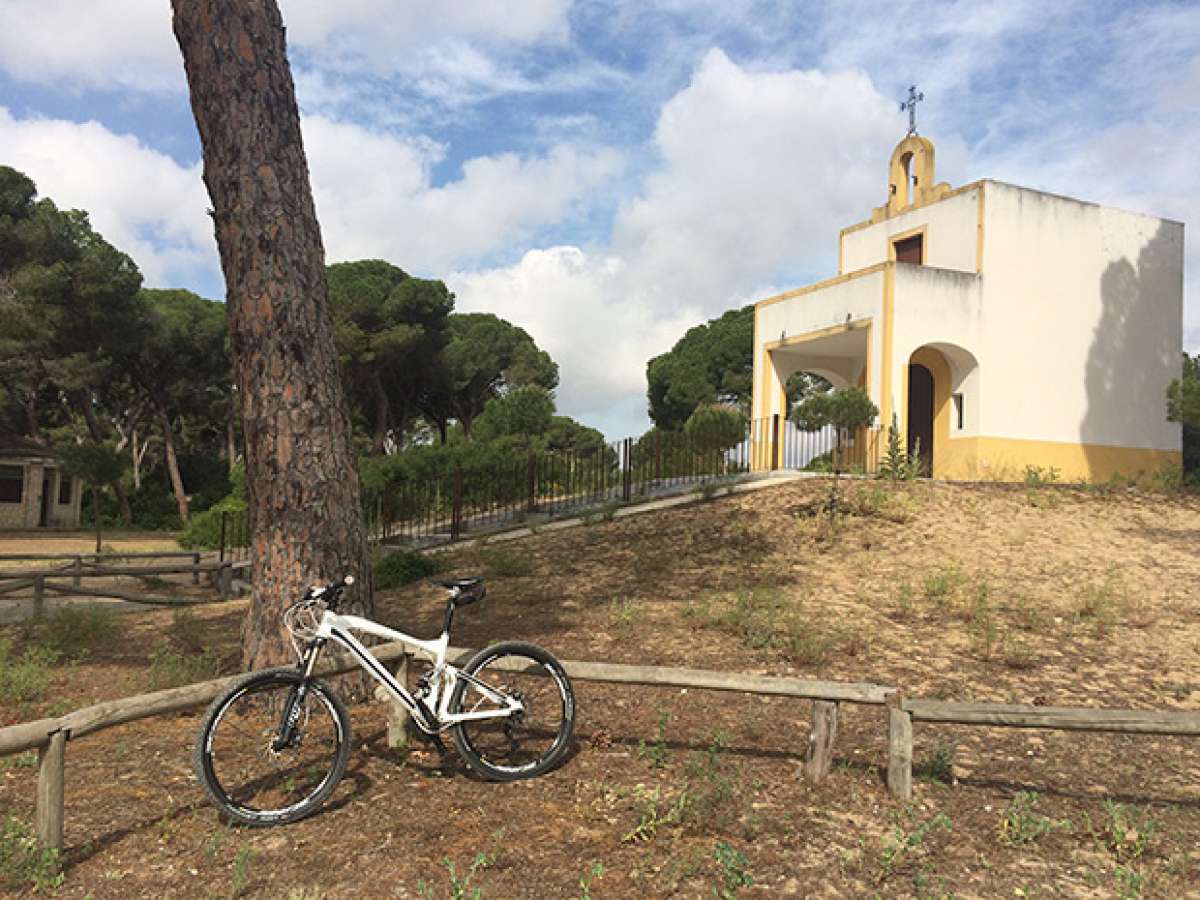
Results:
<point x="222" y="574"/>
<point x="50" y="736"/>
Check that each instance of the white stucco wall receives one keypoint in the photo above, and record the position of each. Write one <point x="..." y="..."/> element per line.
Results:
<point x="950" y="237"/>
<point x="1081" y="328"/>
<point x="943" y="309"/>
<point x="853" y="299"/>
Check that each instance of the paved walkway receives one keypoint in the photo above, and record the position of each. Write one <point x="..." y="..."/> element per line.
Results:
<point x="688" y="496"/>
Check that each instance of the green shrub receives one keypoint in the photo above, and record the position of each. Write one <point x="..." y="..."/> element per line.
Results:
<point x="22" y="862"/>
<point x="187" y="630"/>
<point x="505" y="563"/>
<point x="402" y="567"/>
<point x="154" y="507"/>
<point x="73" y="631"/>
<point x="938" y="766"/>
<point x="714" y="426"/>
<point x="24" y="678"/>
<point x="203" y="530"/>
<point x="1021" y="824"/>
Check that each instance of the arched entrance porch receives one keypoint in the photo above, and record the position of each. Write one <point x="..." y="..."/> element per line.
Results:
<point x="941" y="406"/>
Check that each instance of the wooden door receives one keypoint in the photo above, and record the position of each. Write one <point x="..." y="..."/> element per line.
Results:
<point x="911" y="250"/>
<point x="920" y="414"/>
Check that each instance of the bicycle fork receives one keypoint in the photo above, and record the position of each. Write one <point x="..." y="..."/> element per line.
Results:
<point x="290" y="718"/>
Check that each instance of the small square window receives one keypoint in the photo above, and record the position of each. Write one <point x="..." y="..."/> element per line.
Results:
<point x="12" y="484"/>
<point x="959" y="415"/>
<point x="64" y="488"/>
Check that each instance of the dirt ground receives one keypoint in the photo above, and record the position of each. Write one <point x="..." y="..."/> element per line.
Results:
<point x="1053" y="596"/>
<point x="34" y="542"/>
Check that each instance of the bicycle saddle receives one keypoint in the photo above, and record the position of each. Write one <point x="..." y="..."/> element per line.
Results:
<point x="469" y="589"/>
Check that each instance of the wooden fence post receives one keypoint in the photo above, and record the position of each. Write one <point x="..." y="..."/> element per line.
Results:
<point x="77" y="568"/>
<point x="196" y="563"/>
<point x="225" y="580"/>
<point x="39" y="596"/>
<point x="51" y="759"/>
<point x="820" y="741"/>
<point x="397" y="715"/>
<point x="900" y="750"/>
<point x="221" y="551"/>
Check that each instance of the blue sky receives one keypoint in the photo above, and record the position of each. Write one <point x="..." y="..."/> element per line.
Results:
<point x="608" y="174"/>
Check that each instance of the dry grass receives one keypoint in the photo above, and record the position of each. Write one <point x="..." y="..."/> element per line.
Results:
<point x="951" y="592"/>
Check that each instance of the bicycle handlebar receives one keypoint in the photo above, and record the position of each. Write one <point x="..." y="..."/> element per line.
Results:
<point x="330" y="593"/>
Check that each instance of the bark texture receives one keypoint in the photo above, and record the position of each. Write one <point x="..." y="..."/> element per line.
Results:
<point x="301" y="475"/>
<point x="172" y="461"/>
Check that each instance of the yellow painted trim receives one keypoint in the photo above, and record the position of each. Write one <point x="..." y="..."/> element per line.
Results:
<point x="889" y="311"/>
<point x="936" y="363"/>
<point x="867" y="223"/>
<point x="828" y="282"/>
<point x="759" y="377"/>
<point x="866" y="385"/>
<point x="1005" y="459"/>
<point x="761" y="455"/>
<point x="893" y="240"/>
<point x="979" y="232"/>
<point x="854" y="325"/>
<point x="841" y="254"/>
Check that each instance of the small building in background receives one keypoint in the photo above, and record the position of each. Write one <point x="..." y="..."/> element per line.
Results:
<point x="34" y="490"/>
<point x="1003" y="327"/>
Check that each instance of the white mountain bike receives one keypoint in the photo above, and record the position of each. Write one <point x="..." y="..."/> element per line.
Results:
<point x="273" y="747"/>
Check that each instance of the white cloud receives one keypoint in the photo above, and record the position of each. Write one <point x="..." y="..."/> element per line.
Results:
<point x="450" y="50"/>
<point x="373" y="191"/>
<point x="379" y="33"/>
<point x="121" y="44"/>
<point x="755" y="173"/>
<point x="141" y="200"/>
<point x="584" y="311"/>
<point x="375" y="197"/>
<point x="759" y="170"/>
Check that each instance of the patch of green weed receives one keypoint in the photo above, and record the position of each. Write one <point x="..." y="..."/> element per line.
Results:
<point x="22" y="862"/>
<point x="170" y="668"/>
<point x="734" y="869"/>
<point x="24" y="678"/>
<point x="1021" y="824"/>
<point x="506" y="562"/>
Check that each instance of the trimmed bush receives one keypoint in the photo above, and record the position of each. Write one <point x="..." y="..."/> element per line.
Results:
<point x="402" y="567"/>
<point x="203" y="530"/>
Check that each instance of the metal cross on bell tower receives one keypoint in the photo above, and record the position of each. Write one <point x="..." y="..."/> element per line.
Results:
<point x="911" y="105"/>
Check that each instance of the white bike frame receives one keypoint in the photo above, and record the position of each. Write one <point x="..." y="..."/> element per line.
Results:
<point x="441" y="679"/>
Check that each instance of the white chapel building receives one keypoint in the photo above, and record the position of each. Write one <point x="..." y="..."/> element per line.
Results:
<point x="1004" y="327"/>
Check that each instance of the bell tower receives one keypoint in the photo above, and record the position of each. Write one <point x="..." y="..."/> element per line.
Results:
<point x="911" y="181"/>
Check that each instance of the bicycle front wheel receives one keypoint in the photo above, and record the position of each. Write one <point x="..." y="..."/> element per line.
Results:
<point x="521" y="744"/>
<point x="244" y="774"/>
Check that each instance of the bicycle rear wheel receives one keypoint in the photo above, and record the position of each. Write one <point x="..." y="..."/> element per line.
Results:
<point x="245" y="776"/>
<point x="520" y="745"/>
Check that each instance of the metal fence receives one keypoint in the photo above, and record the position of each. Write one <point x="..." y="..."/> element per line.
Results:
<point x="235" y="537"/>
<point x="469" y="497"/>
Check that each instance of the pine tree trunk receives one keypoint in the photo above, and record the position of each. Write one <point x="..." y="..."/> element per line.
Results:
<point x="306" y="517"/>
<point x="31" y="417"/>
<point x="230" y="443"/>
<point x="172" y="460"/>
<point x="379" y="441"/>
<point x="89" y="416"/>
